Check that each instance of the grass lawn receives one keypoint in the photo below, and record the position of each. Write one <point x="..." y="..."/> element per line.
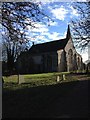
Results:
<point x="33" y="80"/>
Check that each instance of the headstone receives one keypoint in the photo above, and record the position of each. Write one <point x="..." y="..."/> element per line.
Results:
<point x="21" y="79"/>
<point x="58" y="78"/>
<point x="63" y="77"/>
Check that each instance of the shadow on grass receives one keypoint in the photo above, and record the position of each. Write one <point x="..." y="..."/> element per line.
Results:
<point x="69" y="99"/>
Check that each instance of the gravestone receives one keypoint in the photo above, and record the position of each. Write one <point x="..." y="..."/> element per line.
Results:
<point x="58" y="78"/>
<point x="63" y="77"/>
<point x="21" y="79"/>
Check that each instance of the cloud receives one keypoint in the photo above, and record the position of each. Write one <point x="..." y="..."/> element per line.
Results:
<point x="59" y="13"/>
<point x="39" y="27"/>
<point x="42" y="33"/>
<point x="74" y="12"/>
<point x="85" y="56"/>
<point x="51" y="23"/>
<point x="38" y="34"/>
<point x="54" y="36"/>
<point x="44" y="1"/>
<point x="51" y="1"/>
<point x="46" y="37"/>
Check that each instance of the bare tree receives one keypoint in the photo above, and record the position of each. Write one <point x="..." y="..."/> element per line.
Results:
<point x="16" y="16"/>
<point x="81" y="25"/>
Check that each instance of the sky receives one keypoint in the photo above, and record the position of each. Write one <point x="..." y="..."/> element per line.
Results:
<point x="62" y="13"/>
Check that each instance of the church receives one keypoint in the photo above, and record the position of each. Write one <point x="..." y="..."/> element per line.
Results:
<point x="55" y="56"/>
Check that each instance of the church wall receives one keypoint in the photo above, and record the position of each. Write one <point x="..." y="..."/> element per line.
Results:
<point x="54" y="62"/>
<point x="76" y="62"/>
<point x="75" y="65"/>
<point x="34" y="63"/>
<point x="44" y="62"/>
<point x="48" y="62"/>
<point x="79" y="62"/>
<point x="37" y="59"/>
<point x="71" y="58"/>
<point x="51" y="61"/>
<point x="59" y="57"/>
<point x="66" y="59"/>
<point x="62" y="64"/>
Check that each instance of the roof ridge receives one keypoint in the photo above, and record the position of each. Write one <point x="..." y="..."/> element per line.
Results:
<point x="50" y="41"/>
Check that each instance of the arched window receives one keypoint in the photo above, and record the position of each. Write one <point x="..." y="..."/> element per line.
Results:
<point x="75" y="56"/>
<point x="78" y="60"/>
<point x="79" y="63"/>
<point x="70" y="56"/>
<point x="75" y="62"/>
<point x="70" y="60"/>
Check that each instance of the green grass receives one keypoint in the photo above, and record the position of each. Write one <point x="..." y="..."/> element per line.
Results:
<point x="30" y="77"/>
<point x="10" y="79"/>
<point x="33" y="80"/>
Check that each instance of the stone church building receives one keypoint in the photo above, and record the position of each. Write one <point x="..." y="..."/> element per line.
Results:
<point x="55" y="56"/>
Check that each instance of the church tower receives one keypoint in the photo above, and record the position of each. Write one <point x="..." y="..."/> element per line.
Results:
<point x="68" y="36"/>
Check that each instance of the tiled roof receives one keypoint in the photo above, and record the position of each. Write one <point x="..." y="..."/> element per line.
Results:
<point x="49" y="46"/>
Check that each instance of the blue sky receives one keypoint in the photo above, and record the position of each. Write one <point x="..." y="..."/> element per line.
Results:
<point x="62" y="13"/>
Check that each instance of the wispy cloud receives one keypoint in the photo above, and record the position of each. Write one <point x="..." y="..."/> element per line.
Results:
<point x="74" y="12"/>
<point x="53" y="23"/>
<point x="84" y="56"/>
<point x="39" y="27"/>
<point x="51" y="1"/>
<point x="59" y="13"/>
<point x="55" y="35"/>
<point x="44" y="1"/>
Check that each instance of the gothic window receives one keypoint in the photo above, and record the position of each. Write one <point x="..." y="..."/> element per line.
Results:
<point x="75" y="58"/>
<point x="79" y="62"/>
<point x="70" y="56"/>
<point x="70" y="60"/>
<point x="75" y="62"/>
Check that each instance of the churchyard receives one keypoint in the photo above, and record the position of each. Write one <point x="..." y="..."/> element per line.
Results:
<point x="41" y="95"/>
<point x="32" y="80"/>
